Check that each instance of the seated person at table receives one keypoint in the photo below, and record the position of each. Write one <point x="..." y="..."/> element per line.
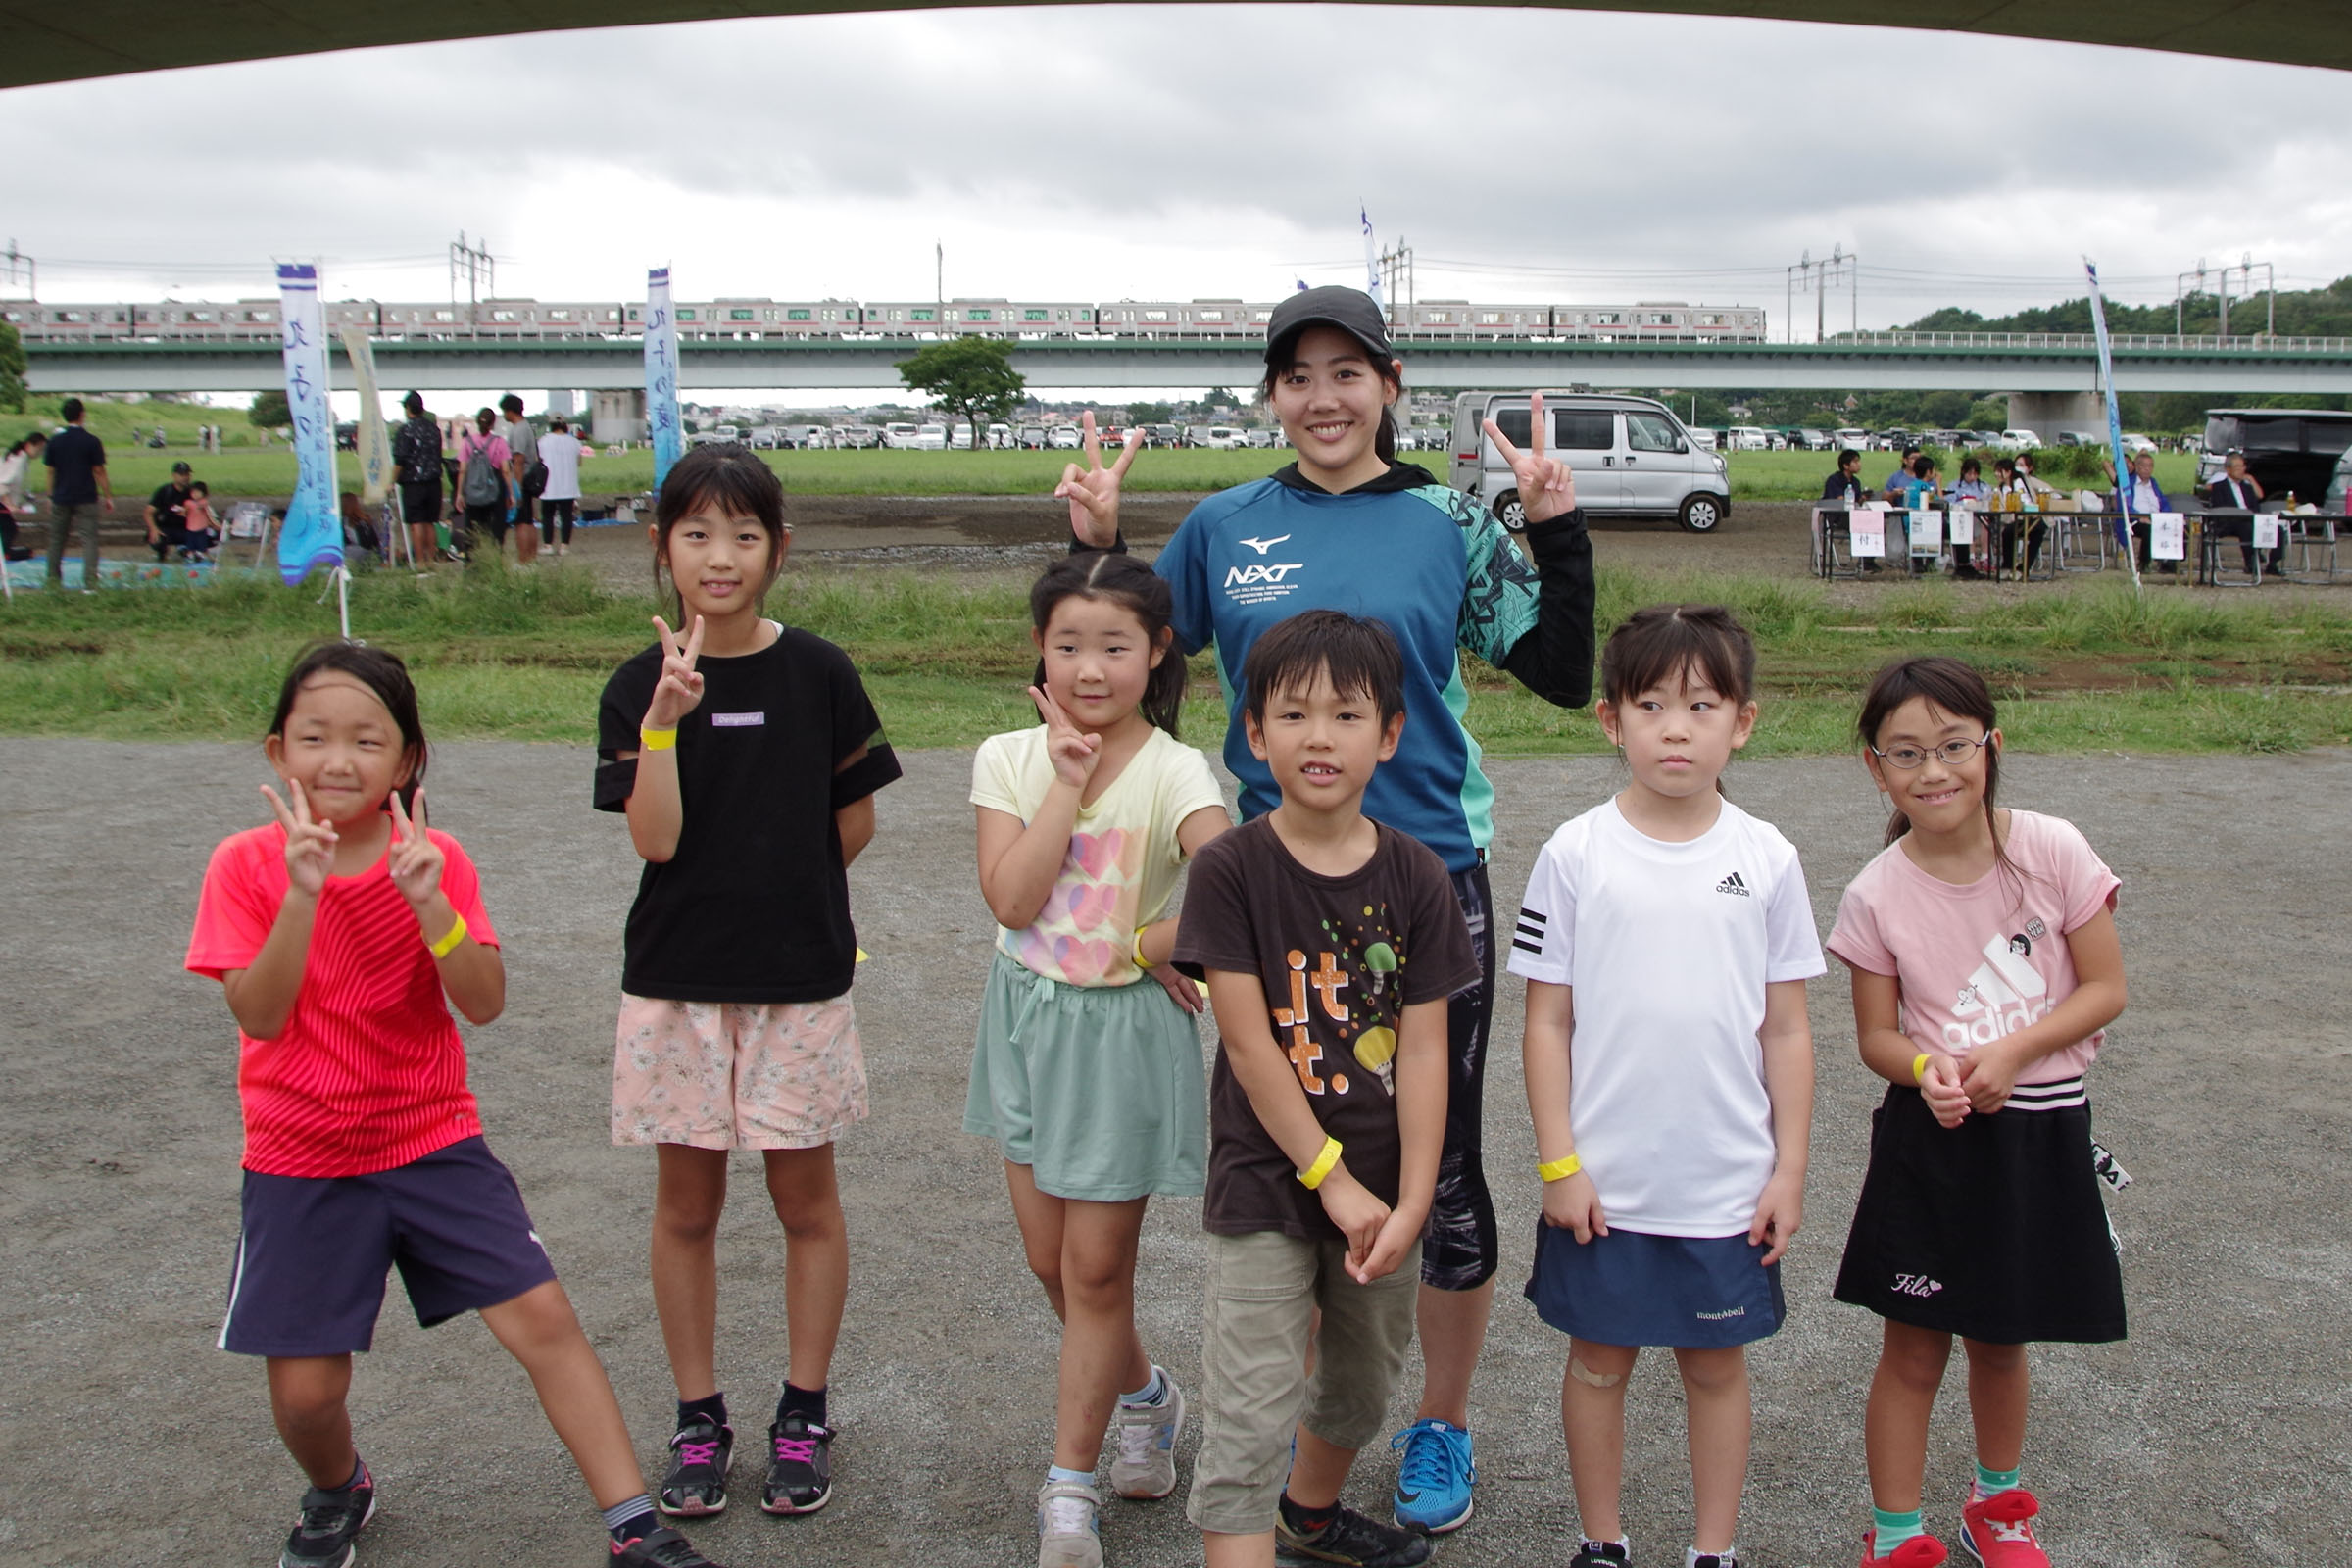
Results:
<point x="2036" y="488"/>
<point x="2143" y="498"/>
<point x="2008" y="480"/>
<point x="1844" y="487"/>
<point x="2236" y="490"/>
<point x="1970" y="490"/>
<point x="1900" y="479"/>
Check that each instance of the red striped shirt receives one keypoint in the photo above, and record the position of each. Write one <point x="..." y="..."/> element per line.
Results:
<point x="370" y="1072"/>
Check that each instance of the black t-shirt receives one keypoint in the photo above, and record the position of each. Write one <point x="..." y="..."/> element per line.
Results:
<point x="76" y="455"/>
<point x="755" y="905"/>
<point x="171" y="503"/>
<point x="1340" y="957"/>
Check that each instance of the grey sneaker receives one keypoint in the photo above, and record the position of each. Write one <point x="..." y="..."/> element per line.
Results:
<point x="1067" y="1533"/>
<point x="1145" y="1467"/>
<point x="331" y="1522"/>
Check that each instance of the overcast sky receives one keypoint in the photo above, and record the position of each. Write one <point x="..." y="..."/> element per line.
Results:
<point x="1162" y="151"/>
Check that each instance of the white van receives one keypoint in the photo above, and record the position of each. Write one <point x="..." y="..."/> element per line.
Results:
<point x="1849" y="440"/>
<point x="1632" y="458"/>
<point x="1225" y="437"/>
<point x="2020" y="440"/>
<point x="931" y="439"/>
<point x="899" y="437"/>
<point x="1747" y="438"/>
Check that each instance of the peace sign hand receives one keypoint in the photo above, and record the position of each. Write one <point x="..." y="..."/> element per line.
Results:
<point x="1075" y="756"/>
<point x="309" y="845"/>
<point x="679" y="691"/>
<point x="415" y="861"/>
<point x="1546" y="489"/>
<point x="1093" y="492"/>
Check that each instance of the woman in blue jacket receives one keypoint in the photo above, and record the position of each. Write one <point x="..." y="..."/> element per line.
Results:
<point x="1348" y="527"/>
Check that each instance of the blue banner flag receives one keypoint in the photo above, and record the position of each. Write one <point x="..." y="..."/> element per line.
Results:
<point x="1371" y="259"/>
<point x="661" y="376"/>
<point x="2115" y="428"/>
<point x="313" y="534"/>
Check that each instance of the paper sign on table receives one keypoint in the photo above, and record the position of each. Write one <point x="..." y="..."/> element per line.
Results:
<point x="1963" y="527"/>
<point x="1927" y="532"/>
<point x="2168" y="537"/>
<point x="1867" y="526"/>
<point x="2266" y="530"/>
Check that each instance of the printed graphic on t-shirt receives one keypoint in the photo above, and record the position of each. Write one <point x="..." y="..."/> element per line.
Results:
<point x="1078" y="932"/>
<point x="1259" y="582"/>
<point x="1355" y="1004"/>
<point x="2005" y="993"/>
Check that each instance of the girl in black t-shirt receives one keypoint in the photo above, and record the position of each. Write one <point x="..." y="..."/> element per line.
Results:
<point x="746" y="755"/>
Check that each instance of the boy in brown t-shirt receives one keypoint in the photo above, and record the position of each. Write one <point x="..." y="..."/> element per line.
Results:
<point x="1330" y="945"/>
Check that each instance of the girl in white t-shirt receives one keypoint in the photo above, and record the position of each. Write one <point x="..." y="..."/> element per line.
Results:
<point x="1085" y="1073"/>
<point x="1666" y="938"/>
<point x="1985" y="969"/>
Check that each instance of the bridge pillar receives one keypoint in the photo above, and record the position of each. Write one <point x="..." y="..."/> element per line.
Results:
<point x="2048" y="414"/>
<point x="618" y="415"/>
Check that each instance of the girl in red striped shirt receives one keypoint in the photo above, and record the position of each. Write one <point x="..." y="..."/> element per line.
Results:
<point x="341" y="932"/>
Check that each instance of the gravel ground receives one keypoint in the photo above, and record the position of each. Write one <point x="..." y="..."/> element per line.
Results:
<point x="2216" y="1435"/>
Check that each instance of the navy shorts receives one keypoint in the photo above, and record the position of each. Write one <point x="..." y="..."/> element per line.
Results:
<point x="1628" y="1288"/>
<point x="313" y="1251"/>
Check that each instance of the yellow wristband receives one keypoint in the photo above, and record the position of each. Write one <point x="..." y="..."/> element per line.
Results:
<point x="1919" y="1067"/>
<point x="1141" y="962"/>
<point x="1559" y="1171"/>
<point x="449" y="943"/>
<point x="649" y="739"/>
<point x="1312" y="1177"/>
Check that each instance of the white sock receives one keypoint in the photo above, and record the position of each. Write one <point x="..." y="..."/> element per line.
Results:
<point x="1156" y="1392"/>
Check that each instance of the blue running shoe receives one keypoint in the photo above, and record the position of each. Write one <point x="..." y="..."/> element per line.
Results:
<point x="1434" y="1477"/>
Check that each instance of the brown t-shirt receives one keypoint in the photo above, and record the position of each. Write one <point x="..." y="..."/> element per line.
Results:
<point x="1340" y="957"/>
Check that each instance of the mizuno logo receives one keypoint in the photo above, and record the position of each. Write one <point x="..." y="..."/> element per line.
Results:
<point x="1733" y="885"/>
<point x="1261" y="546"/>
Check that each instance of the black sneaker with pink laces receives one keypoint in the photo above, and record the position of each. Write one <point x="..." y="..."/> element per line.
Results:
<point x="697" y="1483"/>
<point x="800" y="1466"/>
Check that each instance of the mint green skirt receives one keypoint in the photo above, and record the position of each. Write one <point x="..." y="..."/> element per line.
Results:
<point x="1098" y="1089"/>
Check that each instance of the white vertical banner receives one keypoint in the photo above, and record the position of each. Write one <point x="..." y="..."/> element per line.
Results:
<point x="1371" y="261"/>
<point x="661" y="376"/>
<point x="375" y="436"/>
<point x="2115" y="426"/>
<point x="313" y="534"/>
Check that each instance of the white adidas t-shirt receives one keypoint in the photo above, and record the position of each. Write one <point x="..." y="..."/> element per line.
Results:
<point x="1669" y="948"/>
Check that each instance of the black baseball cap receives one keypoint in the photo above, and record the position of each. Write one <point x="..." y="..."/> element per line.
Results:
<point x="1350" y="310"/>
<point x="415" y="400"/>
<point x="181" y="468"/>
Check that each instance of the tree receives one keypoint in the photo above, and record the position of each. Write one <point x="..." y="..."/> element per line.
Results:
<point x="1219" y="398"/>
<point x="269" y="410"/>
<point x="970" y="377"/>
<point x="1151" y="414"/>
<point x="11" y="369"/>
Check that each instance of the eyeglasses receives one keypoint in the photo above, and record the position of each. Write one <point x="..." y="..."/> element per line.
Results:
<point x="1954" y="752"/>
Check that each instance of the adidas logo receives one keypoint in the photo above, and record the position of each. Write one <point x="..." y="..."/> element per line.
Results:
<point x="1732" y="884"/>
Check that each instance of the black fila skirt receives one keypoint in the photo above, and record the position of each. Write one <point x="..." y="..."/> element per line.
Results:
<point x="1994" y="1229"/>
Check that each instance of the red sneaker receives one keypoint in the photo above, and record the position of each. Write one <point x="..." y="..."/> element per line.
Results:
<point x="1998" y="1531"/>
<point x="1919" y="1552"/>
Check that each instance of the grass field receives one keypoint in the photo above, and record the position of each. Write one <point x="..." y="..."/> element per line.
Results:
<point x="524" y="655"/>
<point x="1754" y="475"/>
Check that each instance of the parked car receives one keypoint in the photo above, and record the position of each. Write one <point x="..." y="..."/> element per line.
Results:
<point x="1747" y="438"/>
<point x="1224" y="437"/>
<point x="1631" y="457"/>
<point x="2287" y="449"/>
<point x="898" y="436"/>
<point x="2020" y="440"/>
<point x="1031" y="437"/>
<point x="1066" y="438"/>
<point x="931" y="439"/>
<point x="1850" y="440"/>
<point x="1700" y="437"/>
<point x="1265" y="438"/>
<point x="1814" y="440"/>
<point x="998" y="438"/>
<point x="2136" y="444"/>
<point x="858" y="436"/>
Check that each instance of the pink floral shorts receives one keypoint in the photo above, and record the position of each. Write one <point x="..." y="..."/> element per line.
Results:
<point x="736" y="1075"/>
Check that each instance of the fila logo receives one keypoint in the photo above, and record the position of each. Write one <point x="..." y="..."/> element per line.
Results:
<point x="1916" y="1285"/>
<point x="1261" y="546"/>
<point x="1243" y="576"/>
<point x="1733" y="885"/>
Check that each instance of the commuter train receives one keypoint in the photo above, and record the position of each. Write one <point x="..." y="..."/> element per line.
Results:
<point x="764" y="320"/>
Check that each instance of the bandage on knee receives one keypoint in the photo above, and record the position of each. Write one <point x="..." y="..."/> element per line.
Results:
<point x="1589" y="1378"/>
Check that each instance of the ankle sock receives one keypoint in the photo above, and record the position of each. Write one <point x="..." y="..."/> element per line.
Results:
<point x="359" y="1473"/>
<point x="712" y="1407"/>
<point x="1692" y="1558"/>
<point x="1057" y="1472"/>
<point x="1306" y="1523"/>
<point x="1893" y="1528"/>
<point x="632" y="1520"/>
<point x="805" y="1403"/>
<point x="1989" y="1482"/>
<point x="1623" y="1544"/>
<point x="1153" y="1392"/>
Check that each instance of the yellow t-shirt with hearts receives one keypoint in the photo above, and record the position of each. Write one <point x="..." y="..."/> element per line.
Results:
<point x="1123" y="859"/>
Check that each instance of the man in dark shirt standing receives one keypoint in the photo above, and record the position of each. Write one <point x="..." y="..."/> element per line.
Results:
<point x="168" y="513"/>
<point x="77" y="460"/>
<point x="416" y="457"/>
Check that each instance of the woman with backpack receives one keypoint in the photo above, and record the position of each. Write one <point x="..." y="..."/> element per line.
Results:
<point x="482" y="457"/>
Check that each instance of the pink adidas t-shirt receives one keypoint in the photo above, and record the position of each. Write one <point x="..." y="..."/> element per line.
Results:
<point x="370" y="1072"/>
<point x="1985" y="960"/>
